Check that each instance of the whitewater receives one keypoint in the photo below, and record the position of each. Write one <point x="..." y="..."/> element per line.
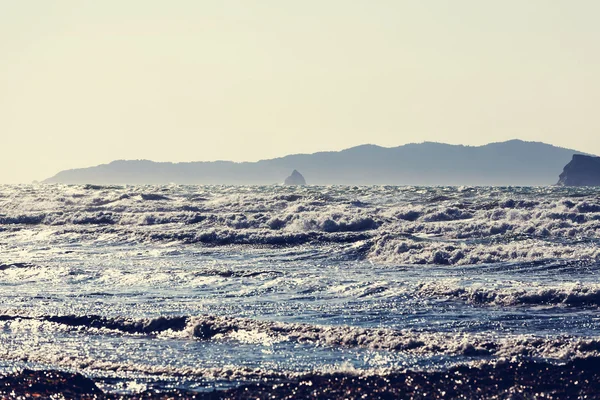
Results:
<point x="212" y="287"/>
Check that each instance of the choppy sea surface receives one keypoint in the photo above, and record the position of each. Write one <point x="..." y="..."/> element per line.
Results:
<point x="203" y="287"/>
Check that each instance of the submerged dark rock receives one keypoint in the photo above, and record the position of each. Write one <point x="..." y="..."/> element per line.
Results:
<point x="295" y="178"/>
<point x="581" y="171"/>
<point x="515" y="379"/>
<point x="47" y="384"/>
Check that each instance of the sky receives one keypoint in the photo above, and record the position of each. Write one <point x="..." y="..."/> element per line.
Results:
<point x="85" y="82"/>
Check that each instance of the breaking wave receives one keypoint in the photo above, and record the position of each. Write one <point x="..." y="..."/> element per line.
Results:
<point x="575" y="295"/>
<point x="466" y="226"/>
<point x="257" y="331"/>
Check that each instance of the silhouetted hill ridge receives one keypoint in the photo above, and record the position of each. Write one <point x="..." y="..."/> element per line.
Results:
<point x="510" y="163"/>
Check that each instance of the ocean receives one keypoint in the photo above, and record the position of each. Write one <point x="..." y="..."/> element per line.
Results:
<point x="203" y="288"/>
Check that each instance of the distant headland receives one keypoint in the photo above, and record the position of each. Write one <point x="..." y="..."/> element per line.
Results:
<point x="510" y="163"/>
<point x="581" y="171"/>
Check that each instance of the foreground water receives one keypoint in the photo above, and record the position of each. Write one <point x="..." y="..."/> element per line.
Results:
<point x="198" y="287"/>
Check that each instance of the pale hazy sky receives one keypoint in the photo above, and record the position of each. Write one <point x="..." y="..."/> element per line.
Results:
<point x="86" y="82"/>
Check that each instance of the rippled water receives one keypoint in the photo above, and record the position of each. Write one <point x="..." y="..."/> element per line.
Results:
<point x="201" y="287"/>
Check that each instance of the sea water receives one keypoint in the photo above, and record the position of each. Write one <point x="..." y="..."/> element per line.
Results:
<point x="203" y="287"/>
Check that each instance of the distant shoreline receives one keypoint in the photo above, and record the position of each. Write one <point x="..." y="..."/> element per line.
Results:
<point x="511" y="163"/>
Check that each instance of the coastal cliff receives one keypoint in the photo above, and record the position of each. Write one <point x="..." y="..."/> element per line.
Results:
<point x="581" y="171"/>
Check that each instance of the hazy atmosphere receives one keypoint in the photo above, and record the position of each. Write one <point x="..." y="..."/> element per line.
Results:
<point x="88" y="82"/>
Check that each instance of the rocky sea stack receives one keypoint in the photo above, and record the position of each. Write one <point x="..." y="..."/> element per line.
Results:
<point x="581" y="171"/>
<point x="295" y="178"/>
